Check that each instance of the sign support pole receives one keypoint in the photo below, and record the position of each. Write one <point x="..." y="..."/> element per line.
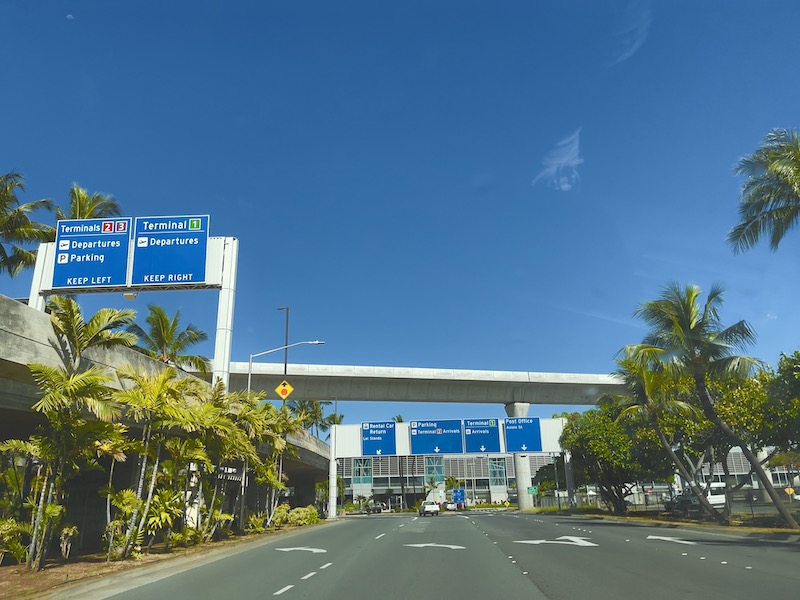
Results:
<point x="333" y="488"/>
<point x="36" y="299"/>
<point x="227" y="295"/>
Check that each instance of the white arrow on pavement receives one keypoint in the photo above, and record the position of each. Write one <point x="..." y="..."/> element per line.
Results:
<point x="303" y="549"/>
<point x="569" y="540"/>
<point x="671" y="539"/>
<point x="435" y="546"/>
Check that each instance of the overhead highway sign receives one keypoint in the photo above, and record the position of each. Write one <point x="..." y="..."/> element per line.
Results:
<point x="523" y="434"/>
<point x="481" y="435"/>
<point x="378" y="439"/>
<point x="91" y="253"/>
<point x="170" y="250"/>
<point x="436" y="437"/>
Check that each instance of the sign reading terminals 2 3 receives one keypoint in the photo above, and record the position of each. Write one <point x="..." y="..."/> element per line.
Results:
<point x="91" y="252"/>
<point x="378" y="439"/>
<point x="170" y="250"/>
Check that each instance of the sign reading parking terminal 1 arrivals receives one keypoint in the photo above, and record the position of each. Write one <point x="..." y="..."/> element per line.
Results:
<point x="170" y="250"/>
<point x="436" y="437"/>
<point x="481" y="436"/>
<point x="91" y="252"/>
<point x="378" y="439"/>
<point x="523" y="434"/>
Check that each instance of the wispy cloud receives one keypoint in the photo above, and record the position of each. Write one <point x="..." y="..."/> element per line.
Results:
<point x="627" y="321"/>
<point x="633" y="27"/>
<point x="560" y="170"/>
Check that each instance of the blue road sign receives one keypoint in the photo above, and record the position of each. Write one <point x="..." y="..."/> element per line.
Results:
<point x="91" y="252"/>
<point x="523" y="434"/>
<point x="459" y="496"/>
<point x="378" y="439"/>
<point x="481" y="435"/>
<point x="436" y="437"/>
<point x="170" y="250"/>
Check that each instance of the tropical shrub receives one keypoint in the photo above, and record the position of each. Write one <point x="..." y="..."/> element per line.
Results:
<point x="281" y="515"/>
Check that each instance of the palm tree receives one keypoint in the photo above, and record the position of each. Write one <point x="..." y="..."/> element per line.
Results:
<point x="68" y="393"/>
<point x="167" y="342"/>
<point x="157" y="403"/>
<point x="16" y="228"/>
<point x="688" y="339"/>
<point x="76" y="335"/>
<point x="769" y="203"/>
<point x="85" y="206"/>
<point x="649" y="400"/>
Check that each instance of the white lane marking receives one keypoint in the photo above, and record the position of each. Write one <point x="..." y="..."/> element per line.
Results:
<point x="451" y="547"/>
<point x="309" y="576"/>
<point x="569" y="540"/>
<point x="284" y="589"/>
<point x="671" y="539"/>
<point x="403" y="525"/>
<point x="325" y="566"/>
<point x="304" y="549"/>
<point x="380" y="536"/>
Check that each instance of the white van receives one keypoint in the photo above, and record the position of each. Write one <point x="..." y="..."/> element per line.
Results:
<point x="716" y="493"/>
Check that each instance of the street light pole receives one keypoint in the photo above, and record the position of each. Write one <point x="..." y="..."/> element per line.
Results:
<point x="286" y="341"/>
<point x="249" y="387"/>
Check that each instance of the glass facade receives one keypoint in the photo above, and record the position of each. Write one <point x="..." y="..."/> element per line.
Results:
<point x="362" y="470"/>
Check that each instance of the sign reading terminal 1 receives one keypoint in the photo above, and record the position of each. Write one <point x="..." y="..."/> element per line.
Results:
<point x="170" y="250"/>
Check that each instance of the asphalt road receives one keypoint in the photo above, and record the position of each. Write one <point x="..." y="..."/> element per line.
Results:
<point x="475" y="555"/>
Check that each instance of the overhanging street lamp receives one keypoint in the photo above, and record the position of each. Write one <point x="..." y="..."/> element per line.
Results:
<point x="257" y="354"/>
<point x="249" y="380"/>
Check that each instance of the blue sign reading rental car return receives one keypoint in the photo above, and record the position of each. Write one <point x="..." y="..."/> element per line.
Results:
<point x="91" y="253"/>
<point x="436" y="437"/>
<point x="481" y="435"/>
<point x="170" y="250"/>
<point x="378" y="439"/>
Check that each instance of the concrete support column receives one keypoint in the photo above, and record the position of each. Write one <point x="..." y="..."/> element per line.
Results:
<point x="522" y="466"/>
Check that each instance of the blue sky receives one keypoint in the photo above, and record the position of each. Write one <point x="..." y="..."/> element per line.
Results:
<point x="462" y="185"/>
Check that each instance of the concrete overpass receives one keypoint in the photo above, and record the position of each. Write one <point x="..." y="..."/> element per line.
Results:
<point x="26" y="337"/>
<point x="403" y="384"/>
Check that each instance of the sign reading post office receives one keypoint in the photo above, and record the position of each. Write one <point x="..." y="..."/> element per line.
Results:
<point x="170" y="250"/>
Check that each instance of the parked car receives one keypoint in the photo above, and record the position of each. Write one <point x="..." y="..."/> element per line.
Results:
<point x="374" y="508"/>
<point x="450" y="506"/>
<point x="428" y="507"/>
<point x="682" y="503"/>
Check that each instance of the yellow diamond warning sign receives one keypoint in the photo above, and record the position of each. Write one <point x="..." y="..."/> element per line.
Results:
<point x="284" y="389"/>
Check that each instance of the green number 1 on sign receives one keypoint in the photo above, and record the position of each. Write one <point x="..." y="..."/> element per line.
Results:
<point x="194" y="223"/>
